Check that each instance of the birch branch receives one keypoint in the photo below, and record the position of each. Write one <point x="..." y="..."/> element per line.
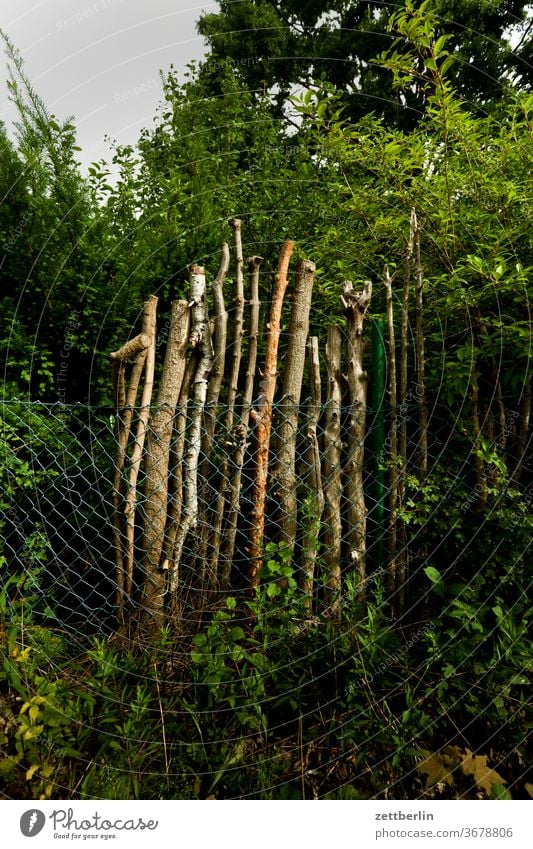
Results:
<point x="200" y="338"/>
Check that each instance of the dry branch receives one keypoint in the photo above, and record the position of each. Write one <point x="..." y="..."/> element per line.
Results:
<point x="313" y="479"/>
<point x="138" y="343"/>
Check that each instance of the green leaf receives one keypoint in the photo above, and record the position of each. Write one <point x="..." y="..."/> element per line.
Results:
<point x="433" y="574"/>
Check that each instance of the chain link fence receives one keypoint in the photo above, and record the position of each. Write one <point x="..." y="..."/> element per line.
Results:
<point x="58" y="514"/>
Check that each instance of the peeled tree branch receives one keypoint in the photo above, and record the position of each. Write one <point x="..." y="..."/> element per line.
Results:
<point x="262" y="416"/>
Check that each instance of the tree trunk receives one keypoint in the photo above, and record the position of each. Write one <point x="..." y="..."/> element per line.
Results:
<point x="200" y="339"/>
<point x="314" y="502"/>
<point x="157" y="461"/>
<point x="241" y="436"/>
<point x="332" y="477"/>
<point x="262" y="417"/>
<point x="355" y="306"/>
<point x="284" y="469"/>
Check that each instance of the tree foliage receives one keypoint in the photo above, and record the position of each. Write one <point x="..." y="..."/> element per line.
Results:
<point x="277" y="46"/>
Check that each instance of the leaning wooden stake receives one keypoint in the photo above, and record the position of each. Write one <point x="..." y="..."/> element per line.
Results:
<point x="420" y="353"/>
<point x="157" y="462"/>
<point x="284" y="468"/>
<point x="125" y="404"/>
<point x="238" y="324"/>
<point x="355" y="307"/>
<point x="262" y="416"/>
<point x="201" y="339"/>
<point x="208" y="496"/>
<point x="403" y="552"/>
<point x="149" y="328"/>
<point x="228" y="420"/>
<point x="314" y="503"/>
<point x="241" y="434"/>
<point x="392" y="582"/>
<point x="332" y="477"/>
<point x="220" y="340"/>
<point x="177" y="454"/>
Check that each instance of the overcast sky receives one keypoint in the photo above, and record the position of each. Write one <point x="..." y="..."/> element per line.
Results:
<point x="99" y="60"/>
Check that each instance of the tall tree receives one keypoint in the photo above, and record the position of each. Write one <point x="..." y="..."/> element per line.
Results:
<point x="279" y="44"/>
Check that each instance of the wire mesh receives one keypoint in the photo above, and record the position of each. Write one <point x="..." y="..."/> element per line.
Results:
<point x="58" y="514"/>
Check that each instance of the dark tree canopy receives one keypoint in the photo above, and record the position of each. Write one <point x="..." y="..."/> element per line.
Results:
<point x="278" y="44"/>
